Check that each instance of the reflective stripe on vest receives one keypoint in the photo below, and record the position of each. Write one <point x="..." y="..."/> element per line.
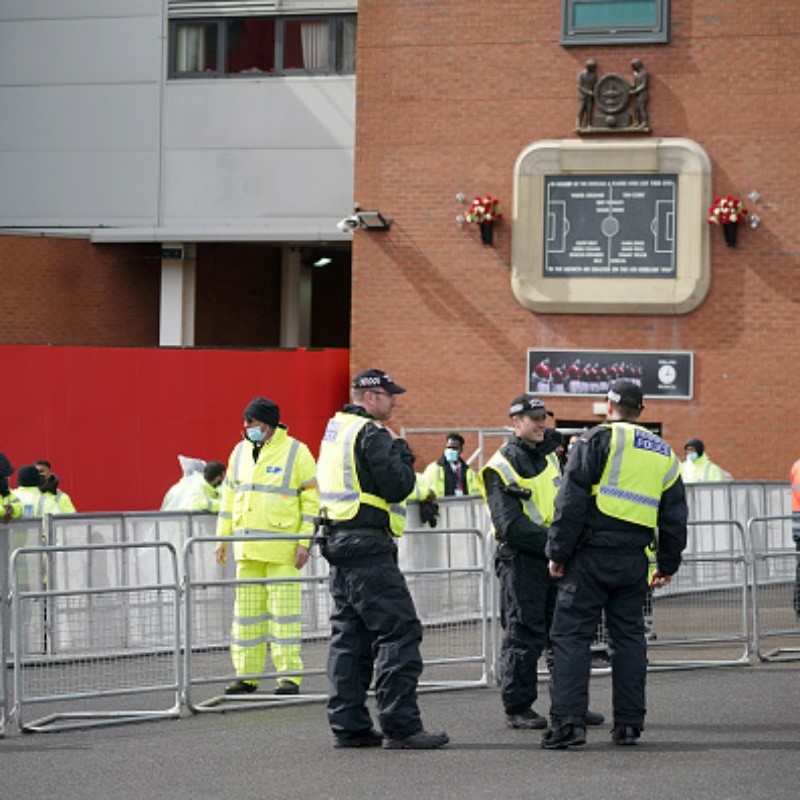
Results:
<point x="540" y="506"/>
<point x="337" y="475"/>
<point x="640" y="468"/>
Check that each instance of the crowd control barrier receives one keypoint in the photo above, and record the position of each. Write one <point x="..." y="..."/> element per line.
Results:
<point x="111" y="618"/>
<point x="776" y="621"/>
<point x="445" y="575"/>
<point x="98" y="642"/>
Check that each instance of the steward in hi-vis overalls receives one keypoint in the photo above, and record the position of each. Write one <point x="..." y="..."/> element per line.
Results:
<point x="621" y="486"/>
<point x="365" y="473"/>
<point x="270" y="488"/>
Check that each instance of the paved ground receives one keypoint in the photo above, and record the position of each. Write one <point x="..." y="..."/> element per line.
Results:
<point x="711" y="733"/>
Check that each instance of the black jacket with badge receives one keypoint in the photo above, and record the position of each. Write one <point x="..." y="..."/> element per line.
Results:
<point x="512" y="526"/>
<point x="578" y="517"/>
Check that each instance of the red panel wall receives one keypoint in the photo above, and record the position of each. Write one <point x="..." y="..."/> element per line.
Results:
<point x="113" y="420"/>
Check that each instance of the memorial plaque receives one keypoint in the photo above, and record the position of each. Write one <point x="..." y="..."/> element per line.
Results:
<point x="610" y="226"/>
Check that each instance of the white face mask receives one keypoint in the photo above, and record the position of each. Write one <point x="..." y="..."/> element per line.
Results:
<point x="692" y="456"/>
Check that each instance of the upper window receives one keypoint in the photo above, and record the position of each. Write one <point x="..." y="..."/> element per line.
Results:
<point x="263" y="46"/>
<point x="615" y="21"/>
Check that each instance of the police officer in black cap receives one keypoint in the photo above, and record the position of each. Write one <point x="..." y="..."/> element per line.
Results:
<point x="621" y="485"/>
<point x="520" y="482"/>
<point x="364" y="469"/>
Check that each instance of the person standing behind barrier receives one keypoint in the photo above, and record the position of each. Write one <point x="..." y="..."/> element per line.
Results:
<point x="364" y="468"/>
<point x="197" y="491"/>
<point x="35" y="502"/>
<point x="794" y="477"/>
<point x="519" y="485"/>
<point x="10" y="505"/>
<point x="49" y="485"/>
<point x="450" y="475"/>
<point x="698" y="467"/>
<point x="270" y="488"/>
<point x="621" y="485"/>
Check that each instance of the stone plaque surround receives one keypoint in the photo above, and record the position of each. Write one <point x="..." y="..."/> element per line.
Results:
<point x="612" y="294"/>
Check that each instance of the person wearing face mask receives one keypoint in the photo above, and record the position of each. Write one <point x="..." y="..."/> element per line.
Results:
<point x="698" y="467"/>
<point x="450" y="475"/>
<point x="270" y="487"/>
<point x="10" y="505"/>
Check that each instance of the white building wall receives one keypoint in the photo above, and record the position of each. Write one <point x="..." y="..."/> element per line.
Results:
<point x="84" y="142"/>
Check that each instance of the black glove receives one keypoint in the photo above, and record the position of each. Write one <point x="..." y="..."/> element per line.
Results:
<point x="429" y="512"/>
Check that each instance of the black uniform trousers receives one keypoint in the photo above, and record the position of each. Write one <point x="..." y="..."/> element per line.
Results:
<point x="600" y="578"/>
<point x="373" y="621"/>
<point x="524" y="615"/>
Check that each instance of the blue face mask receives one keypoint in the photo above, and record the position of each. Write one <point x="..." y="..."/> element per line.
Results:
<point x="692" y="456"/>
<point x="451" y="455"/>
<point x="255" y="434"/>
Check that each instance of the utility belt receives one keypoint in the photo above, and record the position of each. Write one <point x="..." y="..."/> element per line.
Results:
<point x="334" y="529"/>
<point x="346" y="547"/>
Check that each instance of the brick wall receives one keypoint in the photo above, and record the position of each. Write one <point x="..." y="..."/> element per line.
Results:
<point x="448" y="96"/>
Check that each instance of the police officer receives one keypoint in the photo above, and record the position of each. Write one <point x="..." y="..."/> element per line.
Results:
<point x="621" y="484"/>
<point x="364" y="468"/>
<point x="519" y="484"/>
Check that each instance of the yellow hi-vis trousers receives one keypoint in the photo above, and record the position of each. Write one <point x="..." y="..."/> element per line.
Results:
<point x="266" y="614"/>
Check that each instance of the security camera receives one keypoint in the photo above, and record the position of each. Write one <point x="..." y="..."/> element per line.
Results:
<point x="347" y="224"/>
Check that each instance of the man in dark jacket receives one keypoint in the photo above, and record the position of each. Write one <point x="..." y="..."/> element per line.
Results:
<point x="621" y="485"/>
<point x="520" y="483"/>
<point x="364" y="469"/>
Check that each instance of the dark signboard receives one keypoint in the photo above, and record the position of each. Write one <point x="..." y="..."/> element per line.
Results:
<point x="591" y="372"/>
<point x="620" y="226"/>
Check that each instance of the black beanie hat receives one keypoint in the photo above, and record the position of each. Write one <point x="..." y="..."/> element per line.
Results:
<point x="263" y="410"/>
<point x="28" y="476"/>
<point x="698" y="445"/>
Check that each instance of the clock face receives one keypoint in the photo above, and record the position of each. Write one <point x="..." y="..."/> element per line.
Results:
<point x="667" y="373"/>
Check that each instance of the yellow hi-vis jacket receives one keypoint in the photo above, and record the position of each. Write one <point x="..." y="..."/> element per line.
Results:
<point x="192" y="493"/>
<point x="434" y="477"/>
<point x="640" y="468"/>
<point x="35" y="502"/>
<point x="541" y="505"/>
<point x="275" y="495"/>
<point x="11" y="501"/>
<point x="337" y="474"/>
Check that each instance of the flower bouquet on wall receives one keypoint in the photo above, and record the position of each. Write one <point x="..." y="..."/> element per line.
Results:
<point x="728" y="212"/>
<point x="484" y="211"/>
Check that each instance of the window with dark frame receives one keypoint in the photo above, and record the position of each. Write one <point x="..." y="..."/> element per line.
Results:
<point x="614" y="22"/>
<point x="263" y="46"/>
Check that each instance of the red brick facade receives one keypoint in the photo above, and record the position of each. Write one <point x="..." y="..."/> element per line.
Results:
<point x="448" y="96"/>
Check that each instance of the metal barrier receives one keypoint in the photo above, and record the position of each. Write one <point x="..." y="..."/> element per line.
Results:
<point x="450" y="601"/>
<point x="775" y="570"/>
<point x="108" y="642"/>
<point x="716" y="611"/>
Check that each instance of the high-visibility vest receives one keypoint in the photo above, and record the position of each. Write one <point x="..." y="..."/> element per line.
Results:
<point x="35" y="502"/>
<point x="275" y="495"/>
<point x="192" y="493"/>
<point x="434" y="477"/>
<point x="640" y="468"/>
<point x="13" y="502"/>
<point x="65" y="504"/>
<point x="541" y="505"/>
<point x="337" y="474"/>
<point x="703" y="470"/>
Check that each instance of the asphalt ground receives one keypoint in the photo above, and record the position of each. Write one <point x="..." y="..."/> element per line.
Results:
<point x="722" y="733"/>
